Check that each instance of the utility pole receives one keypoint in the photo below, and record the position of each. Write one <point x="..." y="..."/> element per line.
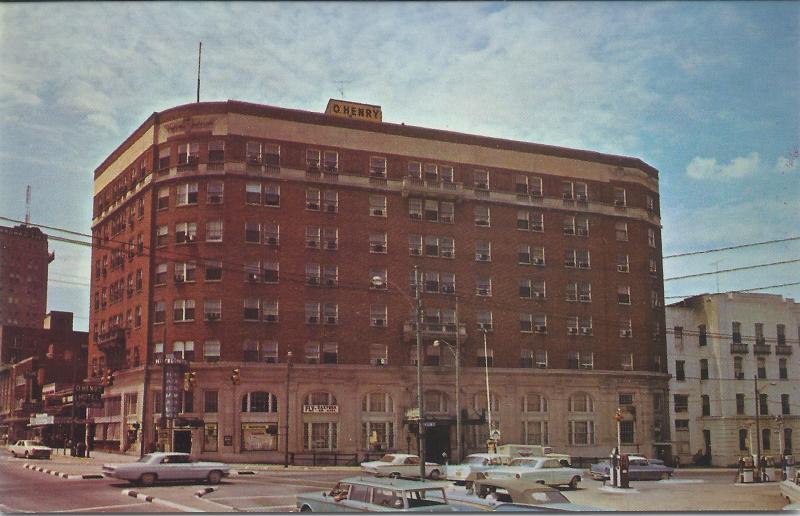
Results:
<point x="286" y="405"/>
<point x="758" y="430"/>
<point x="199" y="53"/>
<point x="458" y="387"/>
<point x="488" y="395"/>
<point x="421" y="422"/>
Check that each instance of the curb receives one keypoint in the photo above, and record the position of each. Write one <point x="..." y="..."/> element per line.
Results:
<point x="59" y="474"/>
<point x="245" y="472"/>
<point x="153" y="499"/>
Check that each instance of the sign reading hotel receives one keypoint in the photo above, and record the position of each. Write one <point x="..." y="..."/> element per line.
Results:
<point x="344" y="109"/>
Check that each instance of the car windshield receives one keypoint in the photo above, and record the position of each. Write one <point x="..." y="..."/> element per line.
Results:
<point x="534" y="497"/>
<point x="387" y="458"/>
<point x="524" y="462"/>
<point x="475" y="460"/>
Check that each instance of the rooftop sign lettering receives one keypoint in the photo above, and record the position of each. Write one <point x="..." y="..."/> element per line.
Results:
<point x="344" y="109"/>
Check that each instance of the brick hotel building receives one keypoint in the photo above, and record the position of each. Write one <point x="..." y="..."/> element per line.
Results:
<point x="235" y="236"/>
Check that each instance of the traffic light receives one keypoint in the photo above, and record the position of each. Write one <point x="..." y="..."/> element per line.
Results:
<point x="235" y="376"/>
<point x="109" y="378"/>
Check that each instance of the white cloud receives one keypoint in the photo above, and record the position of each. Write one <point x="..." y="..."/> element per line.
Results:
<point x="708" y="168"/>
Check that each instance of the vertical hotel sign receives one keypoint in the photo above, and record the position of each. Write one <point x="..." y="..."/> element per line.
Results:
<point x="344" y="109"/>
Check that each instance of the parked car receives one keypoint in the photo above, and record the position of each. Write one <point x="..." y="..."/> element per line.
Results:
<point x="477" y="462"/>
<point x="156" y="467"/>
<point x="542" y="470"/>
<point x="790" y="488"/>
<point x="513" y="494"/>
<point x="398" y="465"/>
<point x="359" y="494"/>
<point x="30" y="449"/>
<point x="639" y="468"/>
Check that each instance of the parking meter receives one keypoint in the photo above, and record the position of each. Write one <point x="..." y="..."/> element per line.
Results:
<point x="624" y="475"/>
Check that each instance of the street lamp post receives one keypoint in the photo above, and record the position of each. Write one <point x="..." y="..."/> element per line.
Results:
<point x="759" y="471"/>
<point x="488" y="395"/>
<point x="286" y="408"/>
<point x="457" y="353"/>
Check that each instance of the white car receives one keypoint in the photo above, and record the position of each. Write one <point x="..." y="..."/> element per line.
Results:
<point x="398" y="465"/>
<point x="476" y="462"/>
<point x="30" y="449"/>
<point x="155" y="467"/>
<point x="790" y="488"/>
<point x="541" y="470"/>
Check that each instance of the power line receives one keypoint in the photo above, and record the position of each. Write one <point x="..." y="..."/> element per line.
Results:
<point x="740" y="290"/>
<point x="740" y="246"/>
<point x="732" y="270"/>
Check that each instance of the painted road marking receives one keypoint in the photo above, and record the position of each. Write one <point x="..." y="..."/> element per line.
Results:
<point x="100" y="508"/>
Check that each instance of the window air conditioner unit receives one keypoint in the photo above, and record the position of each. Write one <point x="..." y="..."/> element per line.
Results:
<point x="212" y="317"/>
<point x="619" y="203"/>
<point x="572" y="331"/>
<point x="568" y="196"/>
<point x="581" y="197"/>
<point x="272" y="318"/>
<point x="330" y="282"/>
<point x="330" y="169"/>
<point x="622" y="268"/>
<point x="569" y="231"/>
<point x="448" y="289"/>
<point x="447" y="254"/>
<point x="415" y="252"/>
<point x="537" y="227"/>
<point x="538" y="261"/>
<point x="377" y="212"/>
<point x="330" y="208"/>
<point x="330" y="320"/>
<point x="569" y="263"/>
<point x="415" y="216"/>
<point x="483" y="291"/>
<point x="739" y="376"/>
<point x="378" y="248"/>
<point x="312" y="206"/>
<point x="583" y="265"/>
<point x="272" y="241"/>
<point x="378" y="322"/>
<point x="311" y="243"/>
<point x="313" y="280"/>
<point x="312" y="320"/>
<point x="252" y="278"/>
<point x="625" y="333"/>
<point x="331" y="244"/>
<point x="585" y="330"/>
<point x="483" y="258"/>
<point x="179" y="278"/>
<point x="585" y="298"/>
<point x="536" y="193"/>
<point x="538" y="295"/>
<point x="540" y="328"/>
<point x="447" y="219"/>
<point x="379" y="362"/>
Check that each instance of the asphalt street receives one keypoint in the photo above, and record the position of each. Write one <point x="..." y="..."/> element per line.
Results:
<point x="265" y="489"/>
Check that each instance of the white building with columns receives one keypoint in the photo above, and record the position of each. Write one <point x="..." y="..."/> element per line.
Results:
<point x="722" y="349"/>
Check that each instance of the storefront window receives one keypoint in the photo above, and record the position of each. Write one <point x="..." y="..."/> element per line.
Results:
<point x="210" y="437"/>
<point x="259" y="436"/>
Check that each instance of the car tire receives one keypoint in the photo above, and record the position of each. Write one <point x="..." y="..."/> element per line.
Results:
<point x="14" y="454"/>
<point x="305" y="508"/>
<point x="394" y="475"/>
<point x="148" y="479"/>
<point x="26" y="454"/>
<point x="573" y="483"/>
<point x="214" y="477"/>
<point x="665" y="476"/>
<point x="435" y="474"/>
<point x="468" y="485"/>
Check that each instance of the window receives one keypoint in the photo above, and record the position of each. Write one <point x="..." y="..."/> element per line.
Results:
<point x="163" y="158"/>
<point x="272" y="195"/>
<point x="785" y="405"/>
<point x="524" y="255"/>
<point x="312" y="352"/>
<point x="484" y="318"/>
<point x="414" y="169"/>
<point x="526" y="358"/>
<point x="183" y="350"/>
<point x="161" y="274"/>
<point x="759" y="330"/>
<point x="781" y="332"/>
<point x="567" y="190"/>
<point x="330" y="313"/>
<point x="483" y="251"/>
<point x="320" y="436"/>
<point x="783" y="371"/>
<point x="740" y="404"/>
<point x="483" y="287"/>
<point x="526" y="323"/>
<point x="162" y="236"/>
<point x="625" y="328"/>
<point x="377" y="206"/>
<point x="431" y="282"/>
<point x="252" y="193"/>
<point x="624" y="295"/>
<point x="626" y="432"/>
<point x="163" y="198"/>
<point x="377" y="167"/>
<point x="482" y="216"/>
<point x="736" y="332"/>
<point x="621" y="231"/>
<point x="312" y="313"/>
<point x="761" y="365"/>
<point x="523" y="220"/>
<point x="330" y="353"/>
<point x="331" y="238"/>
<point x="763" y="404"/>
<point x="581" y="192"/>
<point x="521" y="184"/>
<point x="211" y="402"/>
<point x="738" y="372"/>
<point x="680" y="374"/>
<point x="415" y="245"/>
<point x="447" y="247"/>
<point x="214" y="231"/>
<point x="415" y="209"/>
<point x="312" y="237"/>
<point x="704" y="369"/>
<point x="766" y="433"/>
<point x="431" y="210"/>
<point x="378" y="316"/>
<point x="252" y="232"/>
<point x="183" y="310"/>
<point x="211" y="350"/>
<point x="253" y="153"/>
<point x="137" y="316"/>
<point x="330" y="160"/>
<point x="535" y="186"/>
<point x="269" y="310"/>
<point x="272" y="234"/>
<point x="378" y="354"/>
<point x="569" y="225"/>
<point x="681" y="402"/>
<point x="619" y="197"/>
<point x="743" y="439"/>
<point x="186" y="194"/>
<point x="158" y="352"/>
<point x="651" y="237"/>
<point x="540" y="357"/>
<point x="330" y="201"/>
<point x="216" y="151"/>
<point x="259" y="401"/>
<point x="212" y="309"/>
<point x="312" y="199"/>
<point x="431" y="172"/>
<point x="251" y="309"/>
<point x="705" y="404"/>
<point x="480" y="179"/>
<point x="213" y="270"/>
<point x="702" y="335"/>
<point x="159" y="312"/>
<point x="185" y="232"/>
<point x="622" y="263"/>
<point x="377" y="243"/>
<point x="431" y="246"/>
<point x="626" y="361"/>
<point x="312" y="160"/>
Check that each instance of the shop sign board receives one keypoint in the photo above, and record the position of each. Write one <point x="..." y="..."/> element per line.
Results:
<point x="320" y="409"/>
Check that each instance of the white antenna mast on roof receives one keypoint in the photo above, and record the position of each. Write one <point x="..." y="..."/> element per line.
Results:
<point x="28" y="206"/>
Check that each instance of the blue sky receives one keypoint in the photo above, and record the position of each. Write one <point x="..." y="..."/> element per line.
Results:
<point x="705" y="92"/>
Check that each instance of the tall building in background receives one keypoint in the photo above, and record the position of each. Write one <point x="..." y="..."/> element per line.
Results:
<point x="24" y="260"/>
<point x="275" y="251"/>
<point x="723" y="350"/>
